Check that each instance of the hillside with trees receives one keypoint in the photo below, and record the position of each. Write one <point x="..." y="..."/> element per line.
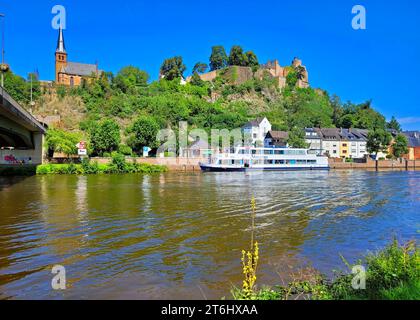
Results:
<point x="123" y="111"/>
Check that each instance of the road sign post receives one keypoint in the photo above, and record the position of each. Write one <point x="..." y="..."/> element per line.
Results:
<point x="82" y="149"/>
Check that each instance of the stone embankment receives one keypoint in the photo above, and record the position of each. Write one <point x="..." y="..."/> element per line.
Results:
<point x="376" y="165"/>
<point x="192" y="164"/>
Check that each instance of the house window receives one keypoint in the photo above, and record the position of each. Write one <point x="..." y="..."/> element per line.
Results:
<point x="71" y="82"/>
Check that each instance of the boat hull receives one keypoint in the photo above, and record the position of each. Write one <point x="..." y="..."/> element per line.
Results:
<point x="210" y="168"/>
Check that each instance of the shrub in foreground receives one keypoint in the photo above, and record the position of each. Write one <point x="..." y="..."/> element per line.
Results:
<point x="117" y="166"/>
<point x="393" y="273"/>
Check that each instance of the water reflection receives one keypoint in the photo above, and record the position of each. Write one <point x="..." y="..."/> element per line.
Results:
<point x="181" y="235"/>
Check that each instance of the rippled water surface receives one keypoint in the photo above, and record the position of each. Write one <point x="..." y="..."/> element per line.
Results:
<point x="181" y="235"/>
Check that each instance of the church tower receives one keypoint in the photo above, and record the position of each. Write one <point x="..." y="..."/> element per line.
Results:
<point x="60" y="56"/>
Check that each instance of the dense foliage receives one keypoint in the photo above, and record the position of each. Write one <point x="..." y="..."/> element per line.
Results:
<point x="391" y="274"/>
<point x="173" y="68"/>
<point x="399" y="147"/>
<point x="20" y="88"/>
<point x="62" y="142"/>
<point x="218" y="58"/>
<point x="165" y="103"/>
<point x="144" y="132"/>
<point x="117" y="166"/>
<point x="378" y="141"/>
<point x="136" y="108"/>
<point x="104" y="137"/>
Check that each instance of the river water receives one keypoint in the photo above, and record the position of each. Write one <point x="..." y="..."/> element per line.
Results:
<point x="180" y="236"/>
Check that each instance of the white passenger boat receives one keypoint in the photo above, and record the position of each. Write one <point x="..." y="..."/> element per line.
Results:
<point x="270" y="159"/>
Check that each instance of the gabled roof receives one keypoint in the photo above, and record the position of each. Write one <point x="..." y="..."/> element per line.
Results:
<point x="254" y="123"/>
<point x="80" y="69"/>
<point x="413" y="138"/>
<point x="278" y="135"/>
<point x="330" y="133"/>
<point x="314" y="133"/>
<point x="413" y="142"/>
<point x="199" y="145"/>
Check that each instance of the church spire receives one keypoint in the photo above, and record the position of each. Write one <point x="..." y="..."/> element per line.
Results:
<point x="61" y="47"/>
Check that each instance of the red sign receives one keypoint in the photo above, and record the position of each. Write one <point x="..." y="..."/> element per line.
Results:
<point x="82" y="145"/>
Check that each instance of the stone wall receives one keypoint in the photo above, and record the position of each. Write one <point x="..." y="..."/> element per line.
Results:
<point x="381" y="164"/>
<point x="173" y="164"/>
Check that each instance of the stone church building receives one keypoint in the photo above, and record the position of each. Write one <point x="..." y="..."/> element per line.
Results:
<point x="68" y="73"/>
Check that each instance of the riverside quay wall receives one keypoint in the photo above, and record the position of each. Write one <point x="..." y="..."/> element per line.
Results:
<point x="377" y="165"/>
<point x="173" y="164"/>
<point x="193" y="164"/>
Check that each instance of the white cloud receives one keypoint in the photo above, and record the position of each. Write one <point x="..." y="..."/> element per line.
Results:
<point x="409" y="120"/>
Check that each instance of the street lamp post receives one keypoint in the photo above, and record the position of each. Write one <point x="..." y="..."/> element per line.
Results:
<point x="3" y="67"/>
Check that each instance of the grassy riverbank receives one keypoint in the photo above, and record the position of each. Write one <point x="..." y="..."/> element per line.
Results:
<point x="117" y="166"/>
<point x="391" y="274"/>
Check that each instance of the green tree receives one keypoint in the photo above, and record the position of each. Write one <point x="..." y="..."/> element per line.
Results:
<point x="347" y="121"/>
<point x="378" y="141"/>
<point x="237" y="56"/>
<point x="218" y="58"/>
<point x="17" y="87"/>
<point x="62" y="141"/>
<point x="196" y="80"/>
<point x="335" y="102"/>
<point x="173" y="68"/>
<point x="394" y="125"/>
<point x="35" y="86"/>
<point x="105" y="137"/>
<point x="400" y="146"/>
<point x="200" y="67"/>
<point x="291" y="79"/>
<point x="130" y="77"/>
<point x="367" y="118"/>
<point x="300" y="72"/>
<point x="144" y="132"/>
<point x="251" y="59"/>
<point x="297" y="138"/>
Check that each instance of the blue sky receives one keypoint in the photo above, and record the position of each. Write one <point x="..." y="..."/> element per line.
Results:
<point x="380" y="63"/>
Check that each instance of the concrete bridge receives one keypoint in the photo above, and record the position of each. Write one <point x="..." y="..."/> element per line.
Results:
<point x="21" y="135"/>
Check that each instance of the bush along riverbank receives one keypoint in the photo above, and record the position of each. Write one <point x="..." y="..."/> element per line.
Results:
<point x="390" y="274"/>
<point x="118" y="165"/>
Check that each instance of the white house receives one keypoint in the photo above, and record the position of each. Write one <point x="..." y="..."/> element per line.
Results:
<point x="331" y="141"/>
<point x="357" y="142"/>
<point x="255" y="131"/>
<point x="314" y="140"/>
